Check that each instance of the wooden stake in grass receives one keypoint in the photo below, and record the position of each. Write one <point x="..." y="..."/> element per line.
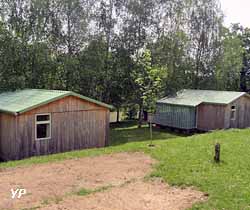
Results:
<point x="217" y="153"/>
<point x="151" y="131"/>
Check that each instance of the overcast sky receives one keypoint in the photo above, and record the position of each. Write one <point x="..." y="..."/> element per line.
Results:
<point x="236" y="11"/>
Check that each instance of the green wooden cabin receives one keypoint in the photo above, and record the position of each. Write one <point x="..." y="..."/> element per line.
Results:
<point x="204" y="110"/>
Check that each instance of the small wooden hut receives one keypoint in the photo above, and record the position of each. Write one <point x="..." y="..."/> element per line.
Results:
<point x="204" y="110"/>
<point x="40" y="122"/>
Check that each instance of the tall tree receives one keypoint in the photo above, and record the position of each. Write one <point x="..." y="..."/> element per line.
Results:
<point x="229" y="64"/>
<point x="244" y="35"/>
<point x="105" y="19"/>
<point x="204" y="26"/>
<point x="148" y="83"/>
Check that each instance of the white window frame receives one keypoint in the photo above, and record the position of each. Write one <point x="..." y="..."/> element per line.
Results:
<point x="42" y="122"/>
<point x="233" y="110"/>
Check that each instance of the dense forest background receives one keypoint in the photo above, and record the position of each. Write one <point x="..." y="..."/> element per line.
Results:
<point x="124" y="52"/>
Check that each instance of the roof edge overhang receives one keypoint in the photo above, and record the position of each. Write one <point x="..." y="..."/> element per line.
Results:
<point x="70" y="93"/>
<point x="235" y="99"/>
<point x="188" y="105"/>
<point x="92" y="100"/>
<point x="208" y="103"/>
<point x="8" y="112"/>
<point x="218" y="104"/>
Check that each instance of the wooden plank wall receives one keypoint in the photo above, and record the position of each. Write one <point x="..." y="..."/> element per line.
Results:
<point x="183" y="117"/>
<point x="246" y="113"/>
<point x="76" y="124"/>
<point x="210" y="117"/>
<point x="213" y="117"/>
<point x="107" y="128"/>
<point x="242" y="113"/>
<point x="7" y="136"/>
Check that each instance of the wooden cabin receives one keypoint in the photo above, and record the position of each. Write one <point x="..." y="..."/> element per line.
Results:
<point x="204" y="110"/>
<point x="41" y="122"/>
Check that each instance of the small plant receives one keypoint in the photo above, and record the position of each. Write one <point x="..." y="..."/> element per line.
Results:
<point x="32" y="208"/>
<point x="84" y="192"/>
<point x="101" y="189"/>
<point x="45" y="202"/>
<point x="58" y="199"/>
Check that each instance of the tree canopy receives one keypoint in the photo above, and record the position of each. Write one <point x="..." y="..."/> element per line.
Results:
<point x="121" y="52"/>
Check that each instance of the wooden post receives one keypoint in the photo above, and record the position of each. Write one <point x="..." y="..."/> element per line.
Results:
<point x="150" y="116"/>
<point x="217" y="153"/>
<point x="151" y="132"/>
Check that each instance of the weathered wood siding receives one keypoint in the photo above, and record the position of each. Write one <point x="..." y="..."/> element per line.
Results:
<point x="7" y="136"/>
<point x="183" y="117"/>
<point x="75" y="124"/>
<point x="210" y="117"/>
<point x="242" y="119"/>
<point x="213" y="117"/>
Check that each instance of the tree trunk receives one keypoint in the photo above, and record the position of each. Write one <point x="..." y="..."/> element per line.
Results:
<point x="243" y="85"/>
<point x="140" y="116"/>
<point x="145" y="115"/>
<point x="118" y="115"/>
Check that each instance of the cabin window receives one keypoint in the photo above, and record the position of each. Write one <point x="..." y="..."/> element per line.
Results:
<point x="233" y="112"/>
<point x="43" y="126"/>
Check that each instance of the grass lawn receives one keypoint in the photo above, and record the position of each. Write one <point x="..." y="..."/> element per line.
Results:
<point x="184" y="161"/>
<point x="128" y="131"/>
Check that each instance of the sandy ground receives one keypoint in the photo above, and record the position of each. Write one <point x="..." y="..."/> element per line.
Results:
<point x="139" y="195"/>
<point x="54" y="185"/>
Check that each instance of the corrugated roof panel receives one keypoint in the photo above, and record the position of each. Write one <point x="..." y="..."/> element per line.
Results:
<point x="23" y="100"/>
<point x="196" y="97"/>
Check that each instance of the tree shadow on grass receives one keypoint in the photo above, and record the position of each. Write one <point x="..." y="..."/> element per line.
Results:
<point x="127" y="131"/>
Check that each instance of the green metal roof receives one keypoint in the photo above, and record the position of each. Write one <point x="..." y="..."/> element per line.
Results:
<point x="195" y="97"/>
<point x="21" y="101"/>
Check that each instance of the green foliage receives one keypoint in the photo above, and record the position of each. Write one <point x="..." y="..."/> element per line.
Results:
<point x="148" y="81"/>
<point x="83" y="192"/>
<point x="169" y="53"/>
<point x="230" y="63"/>
<point x="95" y="48"/>
<point x="244" y="35"/>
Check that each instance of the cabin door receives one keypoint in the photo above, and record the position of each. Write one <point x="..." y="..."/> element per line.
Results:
<point x="233" y="117"/>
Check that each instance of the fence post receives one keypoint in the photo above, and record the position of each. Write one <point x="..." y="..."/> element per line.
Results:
<point x="217" y="153"/>
<point x="150" y="119"/>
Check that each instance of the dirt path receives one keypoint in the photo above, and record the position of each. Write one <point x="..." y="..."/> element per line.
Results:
<point x="139" y="195"/>
<point x="116" y="179"/>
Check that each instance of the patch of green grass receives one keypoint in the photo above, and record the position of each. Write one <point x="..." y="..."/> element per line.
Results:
<point x="84" y="191"/>
<point x="33" y="208"/>
<point x="189" y="162"/>
<point x="127" y="131"/>
<point x="56" y="200"/>
<point x="46" y="202"/>
<point x="104" y="188"/>
<point x="184" y="161"/>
